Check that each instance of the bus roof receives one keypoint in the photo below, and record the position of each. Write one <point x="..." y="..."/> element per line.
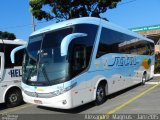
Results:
<point x="89" y="20"/>
<point x="15" y="42"/>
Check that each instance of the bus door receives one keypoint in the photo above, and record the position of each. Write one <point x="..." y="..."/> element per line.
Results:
<point x="1" y="65"/>
<point x="78" y="65"/>
<point x="79" y="59"/>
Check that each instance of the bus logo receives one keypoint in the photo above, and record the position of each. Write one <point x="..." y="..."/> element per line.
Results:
<point x="15" y="73"/>
<point x="146" y="63"/>
<point x="124" y="61"/>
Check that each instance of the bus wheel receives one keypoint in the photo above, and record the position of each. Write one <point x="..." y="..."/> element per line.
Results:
<point x="144" y="77"/>
<point x="100" y="95"/>
<point x="14" y="98"/>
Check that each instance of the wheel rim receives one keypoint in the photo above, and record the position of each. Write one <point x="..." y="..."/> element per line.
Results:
<point x="100" y="94"/>
<point x="144" y="78"/>
<point x="13" y="98"/>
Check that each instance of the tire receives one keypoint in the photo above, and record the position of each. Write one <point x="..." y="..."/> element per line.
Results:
<point x="14" y="98"/>
<point x="100" y="95"/>
<point x="144" y="78"/>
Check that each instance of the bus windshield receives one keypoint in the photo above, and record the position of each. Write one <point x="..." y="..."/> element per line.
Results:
<point x="43" y="63"/>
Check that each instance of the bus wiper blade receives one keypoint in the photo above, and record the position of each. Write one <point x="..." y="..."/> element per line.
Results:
<point x="45" y="74"/>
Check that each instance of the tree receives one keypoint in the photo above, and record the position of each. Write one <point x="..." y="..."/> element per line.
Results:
<point x="67" y="9"/>
<point x="7" y="36"/>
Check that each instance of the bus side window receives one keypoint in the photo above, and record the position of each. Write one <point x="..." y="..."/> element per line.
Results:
<point x="8" y="49"/>
<point x="19" y="58"/>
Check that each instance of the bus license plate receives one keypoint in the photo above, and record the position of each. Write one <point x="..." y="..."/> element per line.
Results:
<point x="37" y="101"/>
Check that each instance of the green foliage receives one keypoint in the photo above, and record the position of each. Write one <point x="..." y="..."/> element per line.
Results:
<point x="67" y="9"/>
<point x="7" y="36"/>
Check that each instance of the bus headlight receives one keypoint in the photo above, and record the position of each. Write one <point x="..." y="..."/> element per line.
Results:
<point x="61" y="91"/>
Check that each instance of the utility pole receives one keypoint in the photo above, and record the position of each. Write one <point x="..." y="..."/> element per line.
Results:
<point x="33" y="23"/>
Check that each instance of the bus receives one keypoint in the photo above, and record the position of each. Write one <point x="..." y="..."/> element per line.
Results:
<point x="77" y="61"/>
<point x="10" y="74"/>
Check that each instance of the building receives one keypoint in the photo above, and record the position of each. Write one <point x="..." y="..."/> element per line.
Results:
<point x="152" y="32"/>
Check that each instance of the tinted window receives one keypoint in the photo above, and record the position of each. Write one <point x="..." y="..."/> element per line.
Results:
<point x="18" y="56"/>
<point x="115" y="42"/>
<point x="1" y="47"/>
<point x="8" y="49"/>
<point x="53" y="39"/>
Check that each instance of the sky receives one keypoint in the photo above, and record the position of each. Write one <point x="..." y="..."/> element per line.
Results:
<point x="15" y="16"/>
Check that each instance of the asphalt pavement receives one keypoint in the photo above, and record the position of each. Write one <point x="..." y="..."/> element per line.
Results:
<point x="137" y="100"/>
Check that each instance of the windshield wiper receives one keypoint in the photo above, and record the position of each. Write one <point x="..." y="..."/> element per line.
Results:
<point x="41" y="66"/>
<point x="45" y="74"/>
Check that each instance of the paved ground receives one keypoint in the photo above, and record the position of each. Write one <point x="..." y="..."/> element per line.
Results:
<point x="136" y="100"/>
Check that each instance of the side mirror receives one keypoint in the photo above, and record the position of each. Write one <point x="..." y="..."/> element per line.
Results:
<point x="12" y="55"/>
<point x="66" y="40"/>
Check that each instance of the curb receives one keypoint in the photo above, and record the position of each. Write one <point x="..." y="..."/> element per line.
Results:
<point x="156" y="75"/>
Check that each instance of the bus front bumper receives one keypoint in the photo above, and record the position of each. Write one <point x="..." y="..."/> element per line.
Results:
<point x="62" y="101"/>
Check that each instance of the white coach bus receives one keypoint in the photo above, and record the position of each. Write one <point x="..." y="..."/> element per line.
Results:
<point x="81" y="60"/>
<point x="10" y="74"/>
